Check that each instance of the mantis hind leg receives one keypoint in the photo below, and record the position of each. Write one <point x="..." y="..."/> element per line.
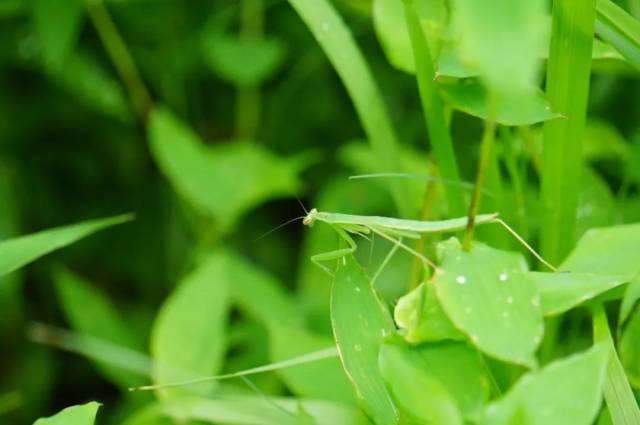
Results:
<point x="338" y="253"/>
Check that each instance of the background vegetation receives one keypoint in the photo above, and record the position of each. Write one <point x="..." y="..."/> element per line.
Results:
<point x="207" y="119"/>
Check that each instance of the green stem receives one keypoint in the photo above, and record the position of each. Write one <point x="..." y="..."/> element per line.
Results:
<point x="568" y="72"/>
<point x="433" y="109"/>
<point x="248" y="102"/>
<point x="486" y="147"/>
<point x="119" y="54"/>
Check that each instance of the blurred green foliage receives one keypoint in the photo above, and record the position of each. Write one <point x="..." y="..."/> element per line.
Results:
<point x="206" y="119"/>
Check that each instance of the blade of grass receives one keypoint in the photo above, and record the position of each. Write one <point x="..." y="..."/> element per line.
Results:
<point x="568" y="71"/>
<point x="433" y="109"/>
<point x="620" y="29"/>
<point x="344" y="54"/>
<point x="617" y="391"/>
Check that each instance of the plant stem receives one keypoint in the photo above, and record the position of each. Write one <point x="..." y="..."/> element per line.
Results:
<point x="433" y="109"/>
<point x="119" y="54"/>
<point x="486" y="146"/>
<point x="568" y="72"/>
<point x="248" y="101"/>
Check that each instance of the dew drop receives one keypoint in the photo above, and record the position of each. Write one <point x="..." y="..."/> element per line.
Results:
<point x="509" y="299"/>
<point x="535" y="301"/>
<point x="467" y="310"/>
<point x="475" y="338"/>
<point x="503" y="277"/>
<point x="461" y="280"/>
<point x="357" y="347"/>
<point x="358" y="289"/>
<point x="505" y="314"/>
<point x="326" y="26"/>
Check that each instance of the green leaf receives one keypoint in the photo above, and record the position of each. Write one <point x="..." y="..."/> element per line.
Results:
<point x="631" y="297"/>
<point x="360" y="322"/>
<point x="456" y="367"/>
<point x="241" y="61"/>
<point x="20" y="251"/>
<point x="57" y="25"/>
<point x="471" y="97"/>
<point x="596" y="207"/>
<point x="221" y="181"/>
<point x="85" y="78"/>
<point x="260" y="295"/>
<point x="420" y="317"/>
<point x="324" y="379"/>
<point x="418" y="395"/>
<point x="619" y="29"/>
<point x="84" y="414"/>
<point x="630" y="349"/>
<point x="493" y="30"/>
<point x="560" y="292"/>
<point x="618" y="394"/>
<point x="488" y="295"/>
<point x="90" y="312"/>
<point x="567" y="391"/>
<point x="607" y="251"/>
<point x="188" y="338"/>
<point x="391" y="29"/>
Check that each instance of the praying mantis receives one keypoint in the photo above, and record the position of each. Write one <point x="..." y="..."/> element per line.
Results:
<point x="394" y="230"/>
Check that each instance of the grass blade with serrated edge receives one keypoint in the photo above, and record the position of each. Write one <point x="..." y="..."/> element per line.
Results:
<point x="338" y="44"/>
<point x="568" y="72"/>
<point x="620" y="29"/>
<point x="618" y="394"/>
<point x="433" y="109"/>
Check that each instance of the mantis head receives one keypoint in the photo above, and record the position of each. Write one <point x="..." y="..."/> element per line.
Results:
<point x="310" y="217"/>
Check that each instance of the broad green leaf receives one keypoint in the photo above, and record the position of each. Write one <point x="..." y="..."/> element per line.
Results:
<point x="488" y="295"/>
<point x="57" y="25"/>
<point x="260" y="295"/>
<point x="567" y="391"/>
<point x="607" y="251"/>
<point x="622" y="404"/>
<point x="493" y="30"/>
<point x="619" y="29"/>
<point x="249" y="410"/>
<point x="84" y="414"/>
<point x="418" y="395"/>
<point x="323" y="379"/>
<point x="360" y="322"/>
<point x="420" y="317"/>
<point x="20" y="251"/>
<point x="243" y="62"/>
<point x="188" y="338"/>
<point x="630" y="348"/>
<point x="390" y="26"/>
<point x="90" y="312"/>
<point x="471" y="97"/>
<point x="222" y="181"/>
<point x="560" y="292"/>
<point x="455" y="366"/>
